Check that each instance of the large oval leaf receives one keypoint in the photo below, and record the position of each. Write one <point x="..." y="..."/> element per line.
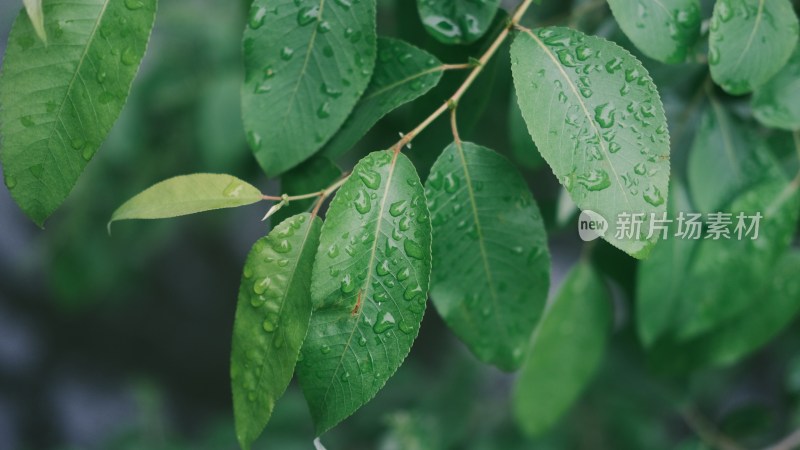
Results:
<point x="603" y="129"/>
<point x="402" y="73"/>
<point x="777" y="103"/>
<point x="457" y="21"/>
<point x="272" y="318"/>
<point x="567" y="348"/>
<point x="750" y="41"/>
<point x="187" y="194"/>
<point x="369" y="287"/>
<point x="59" y="100"/>
<point x="306" y="65"/>
<point x="491" y="263"/>
<point x="664" y="30"/>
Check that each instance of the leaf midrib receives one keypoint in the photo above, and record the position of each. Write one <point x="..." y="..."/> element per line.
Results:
<point x="759" y="16"/>
<point x="398" y="83"/>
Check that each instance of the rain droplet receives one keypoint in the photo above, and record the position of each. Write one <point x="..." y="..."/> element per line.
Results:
<point x="348" y="285"/>
<point x="653" y="196"/>
<point x="604" y="115"/>
<point x="362" y="202"/>
<point x="133" y="5"/>
<point x="413" y="250"/>
<point x="397" y="208"/>
<point x="370" y="178"/>
<point x="383" y="322"/>
<point x="595" y="180"/>
<point x="307" y="15"/>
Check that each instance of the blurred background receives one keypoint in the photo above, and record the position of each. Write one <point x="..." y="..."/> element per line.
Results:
<point x="123" y="341"/>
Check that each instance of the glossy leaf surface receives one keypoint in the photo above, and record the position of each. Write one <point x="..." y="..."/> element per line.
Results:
<point x="457" y="21"/>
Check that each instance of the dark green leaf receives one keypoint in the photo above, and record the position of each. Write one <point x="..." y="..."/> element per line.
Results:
<point x="272" y="318"/>
<point x="492" y="265"/>
<point x="597" y="119"/>
<point x="187" y="194"/>
<point x="664" y="30"/>
<point x="567" y="348"/>
<point x="457" y="21"/>
<point x="306" y="66"/>
<point x="313" y="175"/>
<point x="59" y="100"/>
<point x="369" y="287"/>
<point x="777" y="103"/>
<point x="402" y="73"/>
<point x="750" y="41"/>
<point x="523" y="150"/>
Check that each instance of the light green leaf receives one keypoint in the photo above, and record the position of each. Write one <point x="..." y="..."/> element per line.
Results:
<point x="567" y="348"/>
<point x="523" y="150"/>
<point x="35" y="13"/>
<point x="369" y="287"/>
<point x="187" y="194"/>
<point x="664" y="30"/>
<point x="272" y="318"/>
<point x="58" y="101"/>
<point x="603" y="132"/>
<point x="457" y="21"/>
<point x="313" y="175"/>
<point x="777" y="103"/>
<point x="492" y="265"/>
<point x="402" y="73"/>
<point x="750" y="41"/>
<point x="306" y="66"/>
<point x="725" y="145"/>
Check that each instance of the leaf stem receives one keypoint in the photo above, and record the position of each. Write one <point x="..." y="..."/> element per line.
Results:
<point x="323" y="195"/>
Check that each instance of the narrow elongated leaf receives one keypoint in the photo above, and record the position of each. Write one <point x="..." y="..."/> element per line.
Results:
<point x="187" y="194"/>
<point x="272" y="318"/>
<point x="58" y="101"/>
<point x="369" y="287"/>
<point x="604" y="134"/>
<point x="567" y="348"/>
<point x="664" y="30"/>
<point x="492" y="265"/>
<point x="457" y="21"/>
<point x="777" y="103"/>
<point x="35" y="13"/>
<point x="306" y="65"/>
<point x="313" y="175"/>
<point x="750" y="41"/>
<point x="403" y="72"/>
<point x="724" y="144"/>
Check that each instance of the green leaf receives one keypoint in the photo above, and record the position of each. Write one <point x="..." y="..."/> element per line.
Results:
<point x="603" y="132"/>
<point x="750" y="41"/>
<point x="664" y="30"/>
<point x="725" y="145"/>
<point x="60" y="100"/>
<point x="777" y="103"/>
<point x="272" y="318"/>
<point x="523" y="150"/>
<point x="313" y="175"/>
<point x="402" y="73"/>
<point x="187" y="194"/>
<point x="35" y="13"/>
<point x="457" y="21"/>
<point x="567" y="348"/>
<point x="306" y="66"/>
<point x="492" y="265"/>
<point x="369" y="287"/>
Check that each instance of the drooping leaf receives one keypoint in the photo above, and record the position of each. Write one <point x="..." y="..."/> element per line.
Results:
<point x="35" y="13"/>
<point x="492" y="265"/>
<point x="187" y="194"/>
<point x="664" y="30"/>
<point x="604" y="134"/>
<point x="59" y="100"/>
<point x="272" y="317"/>
<point x="402" y="73"/>
<point x="369" y="287"/>
<point x="725" y="145"/>
<point x="310" y="176"/>
<point x="306" y="66"/>
<point x="777" y="103"/>
<point x="457" y="21"/>
<point x="566" y="350"/>
<point x="523" y="150"/>
<point x="750" y="41"/>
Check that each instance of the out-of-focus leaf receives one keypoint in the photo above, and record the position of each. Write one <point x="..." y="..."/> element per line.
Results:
<point x="369" y="287"/>
<point x="604" y="133"/>
<point x="777" y="103"/>
<point x="306" y="66"/>
<point x="272" y="318"/>
<point x="492" y="265"/>
<point x="750" y="41"/>
<point x="59" y="100"/>
<point x="313" y="175"/>
<point x="35" y="13"/>
<point x="457" y="21"/>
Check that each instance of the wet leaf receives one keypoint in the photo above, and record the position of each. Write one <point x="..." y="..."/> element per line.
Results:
<point x="457" y="21"/>
<point x="523" y="150"/>
<point x="777" y="103"/>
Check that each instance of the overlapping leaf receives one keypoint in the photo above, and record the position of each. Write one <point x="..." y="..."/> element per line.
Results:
<point x="491" y="263"/>
<point x="457" y="21"/>
<point x="306" y="66"/>
<point x="272" y="318"/>
<point x="313" y="175"/>
<point x="59" y="100"/>
<point x="604" y="132"/>
<point x="777" y="103"/>
<point x="369" y="287"/>
<point x="750" y="41"/>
